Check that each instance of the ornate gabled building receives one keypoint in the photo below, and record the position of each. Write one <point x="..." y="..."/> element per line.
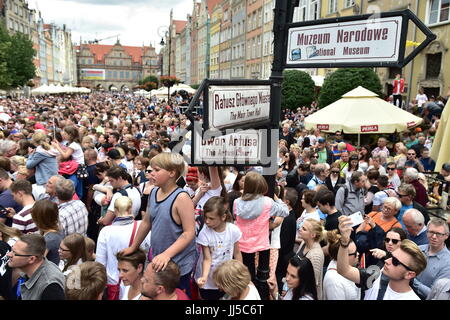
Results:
<point x="115" y="67"/>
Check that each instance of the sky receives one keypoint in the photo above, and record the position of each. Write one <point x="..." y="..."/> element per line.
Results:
<point x="137" y="22"/>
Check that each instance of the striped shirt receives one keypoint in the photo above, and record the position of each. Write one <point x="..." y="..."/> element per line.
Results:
<point x="23" y="220"/>
<point x="73" y="217"/>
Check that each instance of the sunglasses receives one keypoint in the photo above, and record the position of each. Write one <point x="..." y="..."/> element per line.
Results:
<point x="148" y="170"/>
<point x="353" y="254"/>
<point x="394" y="241"/>
<point x="411" y="154"/>
<point x="402" y="195"/>
<point x="316" y="157"/>
<point x="335" y="172"/>
<point x="391" y="169"/>
<point x="396" y="262"/>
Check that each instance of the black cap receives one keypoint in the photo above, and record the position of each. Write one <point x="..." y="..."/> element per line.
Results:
<point x="446" y="167"/>
<point x="114" y="154"/>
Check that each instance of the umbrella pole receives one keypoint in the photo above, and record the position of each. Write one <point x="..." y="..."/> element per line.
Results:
<point x="359" y="140"/>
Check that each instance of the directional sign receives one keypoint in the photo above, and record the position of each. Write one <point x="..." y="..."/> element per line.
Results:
<point x="231" y="106"/>
<point x="242" y="146"/>
<point x="347" y="41"/>
<point x="356" y="41"/>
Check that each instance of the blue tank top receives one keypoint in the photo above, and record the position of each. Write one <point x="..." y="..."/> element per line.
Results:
<point x="165" y="231"/>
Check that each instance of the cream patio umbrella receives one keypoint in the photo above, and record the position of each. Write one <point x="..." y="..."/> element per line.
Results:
<point x="440" y="152"/>
<point x="181" y="86"/>
<point x="360" y="111"/>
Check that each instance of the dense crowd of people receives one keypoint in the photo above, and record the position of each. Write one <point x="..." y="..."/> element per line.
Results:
<point x="95" y="205"/>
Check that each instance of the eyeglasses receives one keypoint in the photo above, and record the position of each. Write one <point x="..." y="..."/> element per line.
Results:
<point x="22" y="255"/>
<point x="391" y="169"/>
<point x="437" y="234"/>
<point x="61" y="249"/>
<point x="396" y="262"/>
<point x="394" y="241"/>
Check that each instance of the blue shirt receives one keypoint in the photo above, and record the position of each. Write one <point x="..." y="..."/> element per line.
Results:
<point x="420" y="239"/>
<point x="438" y="267"/>
<point x="7" y="201"/>
<point x="428" y="164"/>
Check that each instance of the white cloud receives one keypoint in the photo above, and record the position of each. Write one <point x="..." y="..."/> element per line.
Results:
<point x="136" y="21"/>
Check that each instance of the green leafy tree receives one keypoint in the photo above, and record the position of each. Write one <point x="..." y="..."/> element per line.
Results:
<point x="16" y="59"/>
<point x="346" y="79"/>
<point x="5" y="44"/>
<point x="21" y="57"/>
<point x="298" y="89"/>
<point x="150" y="79"/>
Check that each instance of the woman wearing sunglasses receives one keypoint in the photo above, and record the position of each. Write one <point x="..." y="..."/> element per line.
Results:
<point x="370" y="233"/>
<point x="335" y="286"/>
<point x="334" y="181"/>
<point x="392" y="242"/>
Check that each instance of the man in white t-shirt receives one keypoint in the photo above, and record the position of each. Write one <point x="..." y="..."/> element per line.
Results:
<point x="118" y="177"/>
<point x="404" y="264"/>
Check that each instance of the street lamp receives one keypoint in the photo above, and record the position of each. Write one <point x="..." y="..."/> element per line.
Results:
<point x="162" y="43"/>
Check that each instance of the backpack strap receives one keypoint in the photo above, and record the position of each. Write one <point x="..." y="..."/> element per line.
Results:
<point x="382" y="290"/>
<point x="123" y="191"/>
<point x="133" y="233"/>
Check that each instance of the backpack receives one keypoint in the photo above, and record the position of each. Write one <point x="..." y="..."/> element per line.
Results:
<point x="343" y="185"/>
<point x="123" y="191"/>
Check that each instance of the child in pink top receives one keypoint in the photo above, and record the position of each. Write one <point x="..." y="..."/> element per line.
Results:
<point x="253" y="212"/>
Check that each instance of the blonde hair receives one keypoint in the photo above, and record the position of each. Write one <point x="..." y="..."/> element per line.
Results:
<point x="18" y="160"/>
<point x="86" y="281"/>
<point x="88" y="140"/>
<point x="39" y="138"/>
<point x="317" y="228"/>
<point x="232" y="277"/>
<point x="122" y="206"/>
<point x="8" y="232"/>
<point x="22" y="170"/>
<point x="342" y="146"/>
<point x="419" y="261"/>
<point x="170" y="161"/>
<point x="121" y="151"/>
<point x="394" y="202"/>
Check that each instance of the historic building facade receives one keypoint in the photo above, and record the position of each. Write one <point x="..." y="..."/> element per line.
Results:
<point x="115" y="67"/>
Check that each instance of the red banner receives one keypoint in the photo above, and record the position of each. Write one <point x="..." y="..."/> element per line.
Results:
<point x="371" y="128"/>
<point x="323" y="126"/>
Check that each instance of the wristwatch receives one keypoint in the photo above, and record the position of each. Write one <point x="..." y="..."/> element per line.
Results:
<point x="344" y="245"/>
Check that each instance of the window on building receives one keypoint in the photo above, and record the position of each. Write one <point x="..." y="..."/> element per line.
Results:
<point x="83" y="61"/>
<point x="349" y="3"/>
<point x="434" y="62"/>
<point x="393" y="71"/>
<point x="439" y="11"/>
<point x="314" y="13"/>
<point x="114" y="74"/>
<point x="332" y="8"/>
<point x="127" y="75"/>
